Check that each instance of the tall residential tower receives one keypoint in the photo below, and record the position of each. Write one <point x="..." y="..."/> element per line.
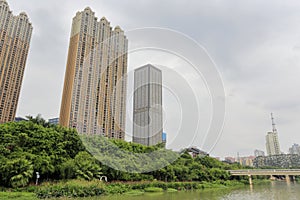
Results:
<point x="147" y="106"/>
<point x="94" y="93"/>
<point x="15" y="35"/>
<point x="272" y="142"/>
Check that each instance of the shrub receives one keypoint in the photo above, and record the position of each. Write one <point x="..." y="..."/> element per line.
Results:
<point x="117" y="188"/>
<point x="74" y="188"/>
<point x="171" y="190"/>
<point x="153" y="189"/>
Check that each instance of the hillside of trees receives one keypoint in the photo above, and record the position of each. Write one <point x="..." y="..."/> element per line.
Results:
<point x="59" y="153"/>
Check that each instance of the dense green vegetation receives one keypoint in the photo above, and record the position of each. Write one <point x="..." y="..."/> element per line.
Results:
<point x="28" y="147"/>
<point x="61" y="154"/>
<point x="128" y="157"/>
<point x="80" y="188"/>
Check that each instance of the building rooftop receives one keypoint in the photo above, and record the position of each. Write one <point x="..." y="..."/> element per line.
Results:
<point x="23" y="14"/>
<point x="4" y="1"/>
<point x="147" y="65"/>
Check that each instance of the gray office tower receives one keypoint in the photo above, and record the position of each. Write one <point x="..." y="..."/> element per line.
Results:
<point x="147" y="106"/>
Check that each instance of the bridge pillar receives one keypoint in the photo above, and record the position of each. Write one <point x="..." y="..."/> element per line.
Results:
<point x="250" y="180"/>
<point x="287" y="178"/>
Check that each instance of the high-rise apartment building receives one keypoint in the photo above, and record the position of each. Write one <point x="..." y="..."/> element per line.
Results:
<point x="94" y="93"/>
<point x="147" y="106"/>
<point x="272" y="144"/>
<point x="15" y="35"/>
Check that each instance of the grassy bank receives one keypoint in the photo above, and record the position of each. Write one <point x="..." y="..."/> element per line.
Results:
<point x="261" y="181"/>
<point x="80" y="188"/>
<point x="18" y="196"/>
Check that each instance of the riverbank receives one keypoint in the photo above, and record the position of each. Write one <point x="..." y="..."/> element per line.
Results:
<point x="18" y="196"/>
<point x="80" y="188"/>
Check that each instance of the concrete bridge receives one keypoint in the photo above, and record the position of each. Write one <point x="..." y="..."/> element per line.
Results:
<point x="288" y="173"/>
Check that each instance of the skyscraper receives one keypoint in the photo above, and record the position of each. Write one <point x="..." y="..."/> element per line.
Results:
<point x="147" y="106"/>
<point x="272" y="142"/>
<point x="15" y="35"/>
<point x="94" y="93"/>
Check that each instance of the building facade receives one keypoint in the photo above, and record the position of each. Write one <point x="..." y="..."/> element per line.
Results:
<point x="258" y="153"/>
<point x="164" y="137"/>
<point x="54" y="121"/>
<point x="230" y="159"/>
<point x="279" y="161"/>
<point x="195" y="152"/>
<point x="147" y="106"/>
<point x="19" y="119"/>
<point x="272" y="143"/>
<point x="94" y="93"/>
<point x="246" y="161"/>
<point x="295" y="149"/>
<point x="15" y="35"/>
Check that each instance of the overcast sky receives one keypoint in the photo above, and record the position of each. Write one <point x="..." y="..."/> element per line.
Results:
<point x="255" y="45"/>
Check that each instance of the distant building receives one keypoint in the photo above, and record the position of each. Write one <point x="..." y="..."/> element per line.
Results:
<point x="230" y="159"/>
<point x="15" y="36"/>
<point x="54" y="121"/>
<point x="280" y="161"/>
<point x="19" y="119"/>
<point x="295" y="149"/>
<point x="194" y="152"/>
<point x="147" y="106"/>
<point x="164" y="138"/>
<point x="272" y="144"/>
<point x="258" y="153"/>
<point x="247" y="161"/>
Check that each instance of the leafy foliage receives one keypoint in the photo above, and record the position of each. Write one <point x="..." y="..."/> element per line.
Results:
<point x="86" y="167"/>
<point x="82" y="188"/>
<point x="74" y="188"/>
<point x="31" y="146"/>
<point x="58" y="153"/>
<point x="16" y="172"/>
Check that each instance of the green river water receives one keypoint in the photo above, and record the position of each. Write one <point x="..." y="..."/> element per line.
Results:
<point x="272" y="191"/>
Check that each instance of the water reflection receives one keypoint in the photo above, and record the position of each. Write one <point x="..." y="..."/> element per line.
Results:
<point x="276" y="190"/>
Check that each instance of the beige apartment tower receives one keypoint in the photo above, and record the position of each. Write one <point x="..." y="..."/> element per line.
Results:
<point x="94" y="93"/>
<point x="272" y="144"/>
<point x="15" y="35"/>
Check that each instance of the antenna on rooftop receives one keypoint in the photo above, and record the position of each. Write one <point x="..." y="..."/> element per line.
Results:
<point x="273" y="124"/>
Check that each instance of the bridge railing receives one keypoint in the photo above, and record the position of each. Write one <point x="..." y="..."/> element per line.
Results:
<point x="264" y="171"/>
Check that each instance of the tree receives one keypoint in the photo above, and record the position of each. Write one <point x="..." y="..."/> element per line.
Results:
<point x="86" y="166"/>
<point x="39" y="120"/>
<point x="16" y="172"/>
<point x="33" y="146"/>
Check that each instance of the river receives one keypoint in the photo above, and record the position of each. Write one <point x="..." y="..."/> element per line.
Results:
<point x="273" y="191"/>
